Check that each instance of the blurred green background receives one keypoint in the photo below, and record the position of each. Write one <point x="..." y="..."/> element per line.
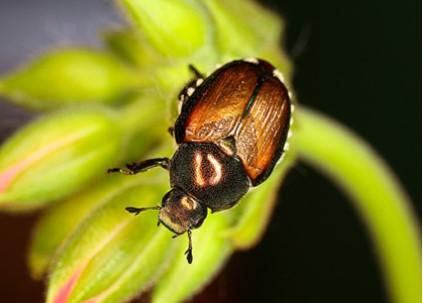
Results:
<point x="358" y="61"/>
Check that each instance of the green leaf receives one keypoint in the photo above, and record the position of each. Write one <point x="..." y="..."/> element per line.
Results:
<point x="57" y="155"/>
<point x="69" y="76"/>
<point x="113" y="255"/>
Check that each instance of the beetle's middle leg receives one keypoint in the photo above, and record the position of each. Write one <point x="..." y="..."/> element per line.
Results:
<point x="134" y="168"/>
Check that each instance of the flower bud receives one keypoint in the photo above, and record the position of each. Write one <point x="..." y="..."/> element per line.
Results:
<point x="131" y="49"/>
<point x="210" y="249"/>
<point x="67" y="77"/>
<point x="243" y="28"/>
<point x="57" y="155"/>
<point x="145" y="123"/>
<point x="113" y="255"/>
<point x="62" y="219"/>
<point x="280" y="59"/>
<point x="174" y="28"/>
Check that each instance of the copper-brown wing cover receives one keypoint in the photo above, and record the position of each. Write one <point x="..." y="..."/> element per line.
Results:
<point x="246" y="101"/>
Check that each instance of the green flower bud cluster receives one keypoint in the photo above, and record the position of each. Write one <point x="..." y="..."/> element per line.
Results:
<point x="67" y="77"/>
<point x="56" y="155"/>
<point x="105" y="108"/>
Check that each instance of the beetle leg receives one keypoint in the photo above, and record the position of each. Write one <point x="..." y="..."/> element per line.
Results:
<point x="188" y="252"/>
<point x="137" y="210"/>
<point x="228" y="145"/>
<point x="191" y="85"/>
<point x="195" y="71"/>
<point x="134" y="168"/>
<point x="184" y="93"/>
<point x="171" y="130"/>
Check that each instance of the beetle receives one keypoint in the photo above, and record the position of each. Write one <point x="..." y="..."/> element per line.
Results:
<point x="231" y="131"/>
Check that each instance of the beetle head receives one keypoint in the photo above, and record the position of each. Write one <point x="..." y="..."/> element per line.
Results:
<point x="180" y="212"/>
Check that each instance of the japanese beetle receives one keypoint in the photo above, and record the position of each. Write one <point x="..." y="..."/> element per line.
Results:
<point x="231" y="131"/>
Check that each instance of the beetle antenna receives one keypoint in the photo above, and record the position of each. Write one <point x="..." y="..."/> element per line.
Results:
<point x="188" y="252"/>
<point x="137" y="210"/>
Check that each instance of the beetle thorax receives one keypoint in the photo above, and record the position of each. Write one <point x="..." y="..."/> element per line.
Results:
<point x="207" y="168"/>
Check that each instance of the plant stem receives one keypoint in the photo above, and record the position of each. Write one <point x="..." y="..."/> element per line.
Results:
<point x="376" y="194"/>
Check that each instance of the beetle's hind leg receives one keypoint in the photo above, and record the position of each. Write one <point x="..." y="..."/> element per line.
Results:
<point x="134" y="168"/>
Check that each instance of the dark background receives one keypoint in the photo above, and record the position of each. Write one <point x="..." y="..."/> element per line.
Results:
<point x="357" y="61"/>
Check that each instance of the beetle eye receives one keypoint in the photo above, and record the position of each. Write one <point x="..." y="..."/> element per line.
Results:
<point x="199" y="222"/>
<point x="165" y="198"/>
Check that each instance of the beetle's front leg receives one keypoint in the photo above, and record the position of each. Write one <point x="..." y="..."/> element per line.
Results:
<point x="191" y="85"/>
<point x="134" y="168"/>
<point x="195" y="71"/>
<point x="171" y="131"/>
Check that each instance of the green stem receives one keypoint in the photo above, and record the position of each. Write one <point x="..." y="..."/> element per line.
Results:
<point x="376" y="194"/>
